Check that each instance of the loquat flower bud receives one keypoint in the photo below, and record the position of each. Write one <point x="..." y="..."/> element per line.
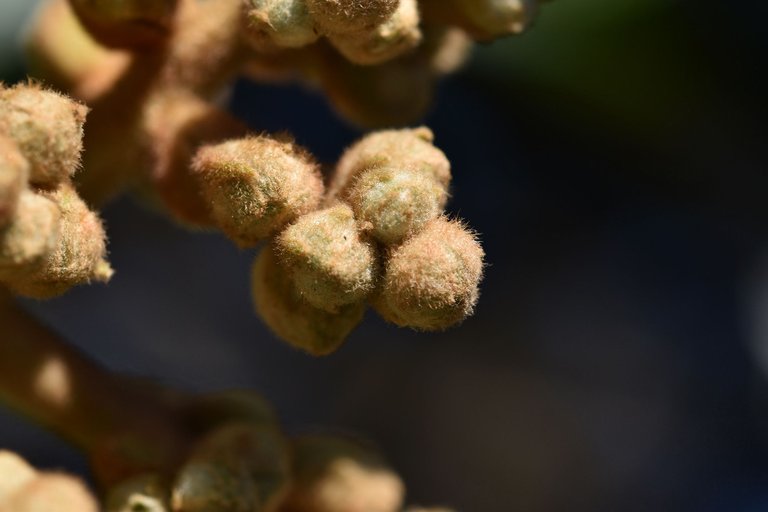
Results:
<point x="14" y="171"/>
<point x="350" y="16"/>
<point x="394" y="203"/>
<point x="256" y="185"/>
<point x="431" y="281"/>
<point x="239" y="467"/>
<point x="47" y="128"/>
<point x="408" y="149"/>
<point x="30" y="237"/>
<point x="48" y="492"/>
<point x="483" y="19"/>
<point x="398" y="34"/>
<point x="78" y="256"/>
<point x="278" y="23"/>
<point x="15" y="473"/>
<point x="304" y="326"/>
<point x="328" y="261"/>
<point x="145" y="493"/>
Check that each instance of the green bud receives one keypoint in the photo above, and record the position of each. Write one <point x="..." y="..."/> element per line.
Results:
<point x="14" y="171"/>
<point x="278" y="23"/>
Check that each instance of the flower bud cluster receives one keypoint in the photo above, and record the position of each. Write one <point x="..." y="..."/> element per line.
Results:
<point x="24" y="489"/>
<point x="50" y="240"/>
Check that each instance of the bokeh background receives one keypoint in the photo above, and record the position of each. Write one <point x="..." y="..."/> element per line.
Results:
<point x="615" y="161"/>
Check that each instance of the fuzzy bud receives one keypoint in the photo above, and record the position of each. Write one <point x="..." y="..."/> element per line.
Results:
<point x="329" y="263"/>
<point x="14" y="171"/>
<point x="51" y="492"/>
<point x="79" y="254"/>
<point x="395" y="36"/>
<point x="15" y="473"/>
<point x="48" y="130"/>
<point x="304" y="326"/>
<point x="410" y="149"/>
<point x="431" y="281"/>
<point x="256" y="185"/>
<point x="30" y="238"/>
<point x="278" y="23"/>
<point x="395" y="203"/>
<point x="350" y="16"/>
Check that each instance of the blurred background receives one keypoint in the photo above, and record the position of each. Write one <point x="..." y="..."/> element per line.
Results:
<point x="614" y="160"/>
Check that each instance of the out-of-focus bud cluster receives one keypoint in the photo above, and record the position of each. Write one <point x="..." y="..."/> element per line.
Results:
<point x="24" y="489"/>
<point x="50" y="240"/>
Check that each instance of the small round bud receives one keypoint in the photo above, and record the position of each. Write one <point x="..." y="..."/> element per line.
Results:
<point x="483" y="19"/>
<point x="256" y="185"/>
<point x="395" y="203"/>
<point x="49" y="492"/>
<point x="14" y="171"/>
<point x="397" y="35"/>
<point x="145" y="493"/>
<point x="410" y="149"/>
<point x="308" y="328"/>
<point x="48" y="130"/>
<point x="349" y="16"/>
<point x="30" y="238"/>
<point x="15" y="473"/>
<point x="278" y="23"/>
<point x="431" y="281"/>
<point x="79" y="254"/>
<point x="329" y="263"/>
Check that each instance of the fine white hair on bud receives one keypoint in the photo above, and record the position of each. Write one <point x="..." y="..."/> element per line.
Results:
<point x="431" y="281"/>
<point x="394" y="203"/>
<point x="47" y="128"/>
<point x="293" y="319"/>
<point x="330" y="264"/>
<point x="14" y="171"/>
<point x="278" y="23"/>
<point x="350" y="16"/>
<point x="257" y="185"/>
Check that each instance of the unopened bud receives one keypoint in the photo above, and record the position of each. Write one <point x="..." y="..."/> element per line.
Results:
<point x="47" y="128"/>
<point x="15" y="473"/>
<point x="14" y="171"/>
<point x="145" y="493"/>
<point x="395" y="203"/>
<point x="30" y="237"/>
<point x="278" y="23"/>
<point x="483" y="19"/>
<point x="256" y="185"/>
<point x="349" y="16"/>
<point x="431" y="281"/>
<point x="294" y="320"/>
<point x="49" y="492"/>
<point x="328" y="261"/>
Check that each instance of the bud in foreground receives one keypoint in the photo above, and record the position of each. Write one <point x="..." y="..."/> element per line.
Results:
<point x="47" y="128"/>
<point x="327" y="260"/>
<point x="14" y="171"/>
<point x="256" y="185"/>
<point x="278" y="23"/>
<point x="30" y="237"/>
<point x="431" y="281"/>
<point x="304" y="326"/>
<point x="15" y="473"/>
<point x="51" y="492"/>
<point x="350" y="16"/>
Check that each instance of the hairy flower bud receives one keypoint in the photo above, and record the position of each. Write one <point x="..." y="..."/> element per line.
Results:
<point x="49" y="492"/>
<point x="395" y="36"/>
<point x="410" y="149"/>
<point x="278" y="23"/>
<point x="294" y="320"/>
<point x="15" y="473"/>
<point x="349" y="16"/>
<point x="14" y="171"/>
<point x="30" y="238"/>
<point x="329" y="263"/>
<point x="47" y="128"/>
<point x="256" y="185"/>
<point x="395" y="202"/>
<point x="431" y="281"/>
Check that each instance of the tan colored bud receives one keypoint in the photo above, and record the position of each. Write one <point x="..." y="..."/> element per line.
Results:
<point x="394" y="203"/>
<point x="349" y="16"/>
<point x="79" y="254"/>
<point x="333" y="474"/>
<point x="397" y="35"/>
<point x="449" y="47"/>
<point x="483" y="19"/>
<point x="145" y="493"/>
<point x="47" y="128"/>
<point x="30" y="238"/>
<point x="257" y="185"/>
<point x="51" y="492"/>
<point x="410" y="149"/>
<point x="330" y="264"/>
<point x="15" y="473"/>
<point x="14" y="171"/>
<point x="431" y="281"/>
<point x="278" y="23"/>
<point x="239" y="467"/>
<point x="294" y="320"/>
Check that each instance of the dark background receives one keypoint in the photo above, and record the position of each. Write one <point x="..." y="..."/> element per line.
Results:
<point x="614" y="160"/>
